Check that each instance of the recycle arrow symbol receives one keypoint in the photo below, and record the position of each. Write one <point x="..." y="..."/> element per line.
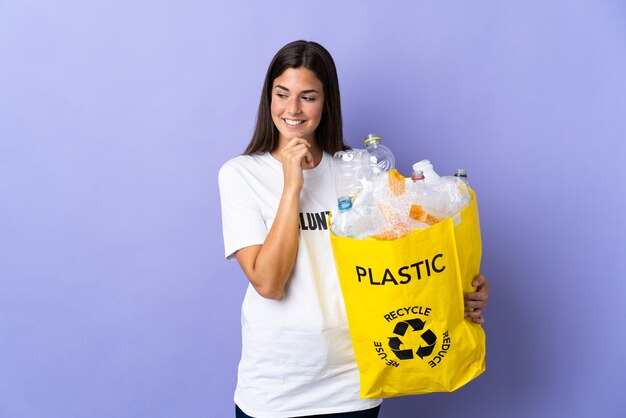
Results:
<point x="401" y="328"/>
<point x="431" y="339"/>
<point x="394" y="344"/>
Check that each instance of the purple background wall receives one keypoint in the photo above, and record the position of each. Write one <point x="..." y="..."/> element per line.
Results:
<point x="115" y="299"/>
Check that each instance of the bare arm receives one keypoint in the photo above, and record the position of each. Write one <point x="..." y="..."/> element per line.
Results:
<point x="268" y="266"/>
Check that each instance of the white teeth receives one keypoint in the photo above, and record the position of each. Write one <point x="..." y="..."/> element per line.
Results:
<point x="293" y="122"/>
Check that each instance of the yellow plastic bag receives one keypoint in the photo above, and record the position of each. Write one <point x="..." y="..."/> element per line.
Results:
<point x="404" y="301"/>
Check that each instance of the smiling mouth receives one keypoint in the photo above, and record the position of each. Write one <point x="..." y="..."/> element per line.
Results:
<point x="293" y="122"/>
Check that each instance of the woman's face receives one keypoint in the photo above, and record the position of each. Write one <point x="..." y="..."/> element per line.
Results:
<point x="297" y="104"/>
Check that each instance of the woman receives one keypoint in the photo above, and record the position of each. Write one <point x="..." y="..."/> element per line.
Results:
<point x="297" y="358"/>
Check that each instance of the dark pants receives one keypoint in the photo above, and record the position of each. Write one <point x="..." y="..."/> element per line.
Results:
<point x="368" y="413"/>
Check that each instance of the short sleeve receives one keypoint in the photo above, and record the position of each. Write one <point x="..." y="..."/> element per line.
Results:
<point x="242" y="220"/>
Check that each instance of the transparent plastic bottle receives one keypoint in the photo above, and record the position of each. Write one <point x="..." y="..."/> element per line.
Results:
<point x="342" y="224"/>
<point x="465" y="196"/>
<point x="426" y="167"/>
<point x="418" y="187"/>
<point x="456" y="191"/>
<point x="462" y="174"/>
<point x="423" y="199"/>
<point x="351" y="169"/>
<point x="381" y="157"/>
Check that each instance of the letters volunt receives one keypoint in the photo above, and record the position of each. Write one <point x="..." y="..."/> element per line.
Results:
<point x="314" y="221"/>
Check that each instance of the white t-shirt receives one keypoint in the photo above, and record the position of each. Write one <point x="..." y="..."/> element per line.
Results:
<point x="297" y="357"/>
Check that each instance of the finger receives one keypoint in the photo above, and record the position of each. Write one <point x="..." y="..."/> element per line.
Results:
<point x="298" y="149"/>
<point x="300" y="159"/>
<point x="296" y="140"/>
<point x="295" y="152"/>
<point x="475" y="316"/>
<point x="308" y="161"/>
<point x="475" y="304"/>
<point x="479" y="320"/>
<point x="483" y="296"/>
<point x="479" y="280"/>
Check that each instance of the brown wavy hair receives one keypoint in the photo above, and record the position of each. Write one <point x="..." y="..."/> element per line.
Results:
<point x="314" y="57"/>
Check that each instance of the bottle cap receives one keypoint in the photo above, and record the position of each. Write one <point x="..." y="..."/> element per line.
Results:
<point x="461" y="172"/>
<point x="371" y="137"/>
<point x="344" y="203"/>
<point x="417" y="175"/>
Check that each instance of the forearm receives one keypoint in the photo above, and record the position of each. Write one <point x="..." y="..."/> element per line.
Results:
<point x="276" y="257"/>
<point x="268" y="266"/>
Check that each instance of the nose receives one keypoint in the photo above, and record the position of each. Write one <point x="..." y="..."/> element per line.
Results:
<point x="294" y="106"/>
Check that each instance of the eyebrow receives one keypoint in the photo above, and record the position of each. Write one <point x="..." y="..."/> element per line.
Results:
<point x="278" y="86"/>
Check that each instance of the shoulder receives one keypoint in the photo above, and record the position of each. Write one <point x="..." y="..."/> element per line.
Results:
<point x="249" y="169"/>
<point x="240" y="161"/>
<point x="242" y="164"/>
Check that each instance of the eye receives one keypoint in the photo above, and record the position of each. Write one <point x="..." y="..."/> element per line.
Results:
<point x="308" y="98"/>
<point x="281" y="95"/>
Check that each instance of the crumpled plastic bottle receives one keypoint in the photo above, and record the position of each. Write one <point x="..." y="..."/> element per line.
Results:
<point x="426" y="167"/>
<point x="446" y="196"/>
<point x="342" y="224"/>
<point x="381" y="157"/>
<point x="352" y="169"/>
<point x="377" y="201"/>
